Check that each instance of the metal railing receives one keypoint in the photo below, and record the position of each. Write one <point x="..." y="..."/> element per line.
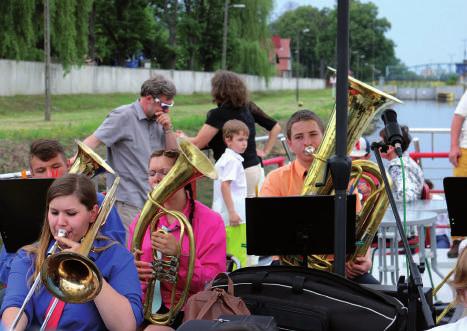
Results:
<point x="14" y="175"/>
<point x="431" y="132"/>
<point x="282" y="139"/>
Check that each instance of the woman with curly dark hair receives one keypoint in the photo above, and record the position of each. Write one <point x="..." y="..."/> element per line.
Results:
<point x="231" y="96"/>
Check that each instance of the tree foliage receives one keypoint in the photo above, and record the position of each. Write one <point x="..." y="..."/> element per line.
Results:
<point x="249" y="39"/>
<point x="17" y="34"/>
<point x="188" y="34"/>
<point x="370" y="49"/>
<point x="122" y="29"/>
<point x="22" y="30"/>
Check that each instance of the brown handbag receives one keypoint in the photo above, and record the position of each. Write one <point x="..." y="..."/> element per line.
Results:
<point x="214" y="302"/>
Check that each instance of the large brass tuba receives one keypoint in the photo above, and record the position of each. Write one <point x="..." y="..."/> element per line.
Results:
<point x="373" y="209"/>
<point x="364" y="102"/>
<point x="191" y="164"/>
<point x="73" y="277"/>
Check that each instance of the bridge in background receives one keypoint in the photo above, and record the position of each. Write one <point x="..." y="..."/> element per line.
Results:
<point x="428" y="71"/>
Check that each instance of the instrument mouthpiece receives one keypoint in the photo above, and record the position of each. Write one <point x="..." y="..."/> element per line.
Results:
<point x="309" y="150"/>
<point x="61" y="233"/>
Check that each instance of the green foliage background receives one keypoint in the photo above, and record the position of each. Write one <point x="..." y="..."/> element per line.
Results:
<point x="187" y="35"/>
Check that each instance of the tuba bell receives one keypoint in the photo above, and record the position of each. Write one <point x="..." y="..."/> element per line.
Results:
<point x="191" y="164"/>
<point x="364" y="102"/>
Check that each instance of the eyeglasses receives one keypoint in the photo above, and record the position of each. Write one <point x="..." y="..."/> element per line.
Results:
<point x="160" y="172"/>
<point x="165" y="106"/>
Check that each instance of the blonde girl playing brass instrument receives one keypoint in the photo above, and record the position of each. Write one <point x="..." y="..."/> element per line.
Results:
<point x="459" y="284"/>
<point x="72" y="206"/>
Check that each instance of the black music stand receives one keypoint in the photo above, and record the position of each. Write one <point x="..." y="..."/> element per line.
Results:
<point x="454" y="190"/>
<point x="300" y="225"/>
<point x="22" y="210"/>
<point x="414" y="285"/>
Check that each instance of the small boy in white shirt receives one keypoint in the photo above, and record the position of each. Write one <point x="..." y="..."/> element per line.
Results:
<point x="230" y="188"/>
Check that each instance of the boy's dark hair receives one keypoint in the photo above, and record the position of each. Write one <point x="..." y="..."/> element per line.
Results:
<point x="303" y="115"/>
<point x="46" y="149"/>
<point x="232" y="127"/>
<point x="406" y="138"/>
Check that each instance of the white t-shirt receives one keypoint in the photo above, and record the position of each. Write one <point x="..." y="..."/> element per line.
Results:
<point x="461" y="110"/>
<point x="460" y="325"/>
<point x="229" y="168"/>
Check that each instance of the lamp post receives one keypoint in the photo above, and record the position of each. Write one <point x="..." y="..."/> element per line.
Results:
<point x="358" y="56"/>
<point x="47" y="60"/>
<point x="226" y="28"/>
<point x="297" y="89"/>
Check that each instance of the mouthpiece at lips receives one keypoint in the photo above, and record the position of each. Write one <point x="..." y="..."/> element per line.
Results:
<point x="61" y="233"/>
<point x="309" y="150"/>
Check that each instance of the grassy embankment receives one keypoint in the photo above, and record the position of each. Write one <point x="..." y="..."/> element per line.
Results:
<point x="77" y="116"/>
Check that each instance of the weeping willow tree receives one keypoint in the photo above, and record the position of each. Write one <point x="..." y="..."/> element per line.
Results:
<point x="17" y="34"/>
<point x="249" y="39"/>
<point x="69" y="30"/>
<point x="22" y="30"/>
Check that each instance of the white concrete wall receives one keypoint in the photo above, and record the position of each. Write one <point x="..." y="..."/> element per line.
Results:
<point x="21" y="77"/>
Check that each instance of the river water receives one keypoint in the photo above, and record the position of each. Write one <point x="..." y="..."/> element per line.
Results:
<point x="426" y="114"/>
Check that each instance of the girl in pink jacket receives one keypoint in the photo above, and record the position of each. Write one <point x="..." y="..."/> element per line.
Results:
<point x="208" y="231"/>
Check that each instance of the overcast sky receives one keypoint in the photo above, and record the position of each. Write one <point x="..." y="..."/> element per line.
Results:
<point x="424" y="31"/>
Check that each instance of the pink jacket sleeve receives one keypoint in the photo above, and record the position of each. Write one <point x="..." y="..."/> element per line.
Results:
<point x="210" y="243"/>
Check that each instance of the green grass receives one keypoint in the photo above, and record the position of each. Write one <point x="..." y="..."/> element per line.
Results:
<point x="77" y="116"/>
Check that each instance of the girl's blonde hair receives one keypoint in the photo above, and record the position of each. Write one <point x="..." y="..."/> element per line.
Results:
<point x="459" y="283"/>
<point x="70" y="184"/>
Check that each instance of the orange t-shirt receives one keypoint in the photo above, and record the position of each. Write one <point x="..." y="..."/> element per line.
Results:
<point x="288" y="181"/>
<point x="284" y="181"/>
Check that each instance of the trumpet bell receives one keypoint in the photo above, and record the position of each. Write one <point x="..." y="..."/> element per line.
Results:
<point x="89" y="162"/>
<point x="71" y="277"/>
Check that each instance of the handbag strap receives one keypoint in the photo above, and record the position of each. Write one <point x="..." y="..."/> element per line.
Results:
<point x="230" y="289"/>
<point x="220" y="295"/>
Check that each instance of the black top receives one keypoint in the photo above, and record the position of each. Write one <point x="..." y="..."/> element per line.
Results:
<point x="249" y="115"/>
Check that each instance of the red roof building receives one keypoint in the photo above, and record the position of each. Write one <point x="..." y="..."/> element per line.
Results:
<point x="282" y="55"/>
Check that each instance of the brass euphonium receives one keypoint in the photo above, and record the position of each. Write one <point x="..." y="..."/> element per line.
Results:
<point x="73" y="277"/>
<point x="364" y="102"/>
<point x="191" y="164"/>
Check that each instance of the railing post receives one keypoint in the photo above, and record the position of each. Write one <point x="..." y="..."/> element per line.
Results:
<point x="416" y="145"/>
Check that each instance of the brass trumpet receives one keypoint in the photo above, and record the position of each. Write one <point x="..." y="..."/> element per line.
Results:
<point x="69" y="273"/>
<point x="452" y="304"/>
<point x="73" y="277"/>
<point x="191" y="164"/>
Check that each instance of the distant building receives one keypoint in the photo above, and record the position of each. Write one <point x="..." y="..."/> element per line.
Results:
<point x="282" y="56"/>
